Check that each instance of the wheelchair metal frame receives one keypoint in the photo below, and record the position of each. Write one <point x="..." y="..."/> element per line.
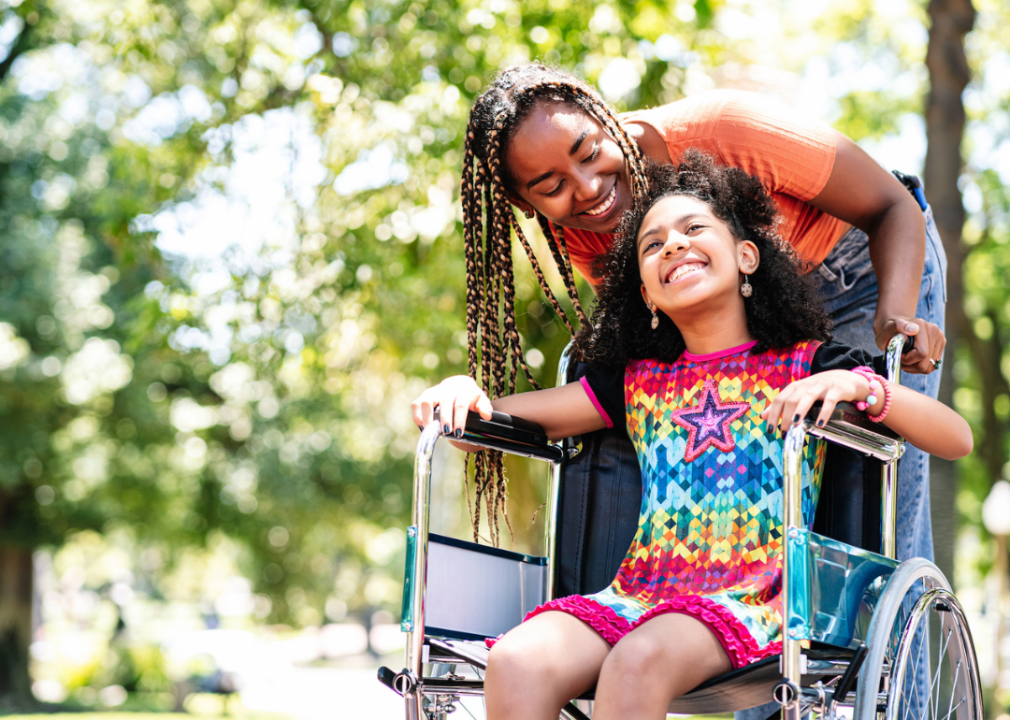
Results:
<point x="809" y="679"/>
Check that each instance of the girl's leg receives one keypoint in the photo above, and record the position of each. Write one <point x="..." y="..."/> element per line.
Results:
<point x="541" y="665"/>
<point x="655" y="663"/>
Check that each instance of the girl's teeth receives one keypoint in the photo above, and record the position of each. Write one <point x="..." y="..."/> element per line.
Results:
<point x="600" y="209"/>
<point x="683" y="270"/>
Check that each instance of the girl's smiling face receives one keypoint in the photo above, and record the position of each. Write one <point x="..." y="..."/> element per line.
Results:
<point x="688" y="257"/>
<point x="568" y="168"/>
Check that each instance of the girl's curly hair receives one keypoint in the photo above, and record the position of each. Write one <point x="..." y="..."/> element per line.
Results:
<point x="783" y="310"/>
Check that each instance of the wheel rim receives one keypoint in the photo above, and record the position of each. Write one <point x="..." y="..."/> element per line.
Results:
<point x="890" y="616"/>
<point x="933" y="672"/>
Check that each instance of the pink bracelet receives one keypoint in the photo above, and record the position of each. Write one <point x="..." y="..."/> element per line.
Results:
<point x="874" y="379"/>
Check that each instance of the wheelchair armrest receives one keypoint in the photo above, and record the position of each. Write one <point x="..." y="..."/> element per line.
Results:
<point x="512" y="435"/>
<point x="849" y="427"/>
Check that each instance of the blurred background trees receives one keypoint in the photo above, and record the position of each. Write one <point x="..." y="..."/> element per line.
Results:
<point x="231" y="253"/>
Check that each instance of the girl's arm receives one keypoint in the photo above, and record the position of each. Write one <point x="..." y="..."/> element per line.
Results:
<point x="926" y="423"/>
<point x="861" y="192"/>
<point x="562" y="412"/>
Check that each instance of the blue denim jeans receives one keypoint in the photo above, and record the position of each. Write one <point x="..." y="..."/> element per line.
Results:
<point x="848" y="286"/>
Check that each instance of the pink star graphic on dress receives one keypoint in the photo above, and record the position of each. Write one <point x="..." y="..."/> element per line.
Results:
<point x="708" y="422"/>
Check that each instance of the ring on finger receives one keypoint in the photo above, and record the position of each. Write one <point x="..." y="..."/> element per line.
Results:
<point x="936" y="363"/>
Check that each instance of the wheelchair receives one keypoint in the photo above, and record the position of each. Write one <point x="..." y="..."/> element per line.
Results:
<point x="863" y="635"/>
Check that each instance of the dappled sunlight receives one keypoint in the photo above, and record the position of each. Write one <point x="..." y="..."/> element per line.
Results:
<point x="231" y="254"/>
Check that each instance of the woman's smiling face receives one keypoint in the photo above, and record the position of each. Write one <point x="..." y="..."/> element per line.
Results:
<point x="688" y="256"/>
<point x="569" y="169"/>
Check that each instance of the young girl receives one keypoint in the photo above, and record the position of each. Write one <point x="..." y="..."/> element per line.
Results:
<point x="705" y="342"/>
<point x="543" y="141"/>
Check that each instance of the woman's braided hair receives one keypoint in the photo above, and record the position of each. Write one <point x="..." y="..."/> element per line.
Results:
<point x="783" y="310"/>
<point x="493" y="342"/>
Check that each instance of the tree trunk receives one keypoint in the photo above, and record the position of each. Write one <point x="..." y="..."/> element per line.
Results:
<point x="15" y="626"/>
<point x="949" y="74"/>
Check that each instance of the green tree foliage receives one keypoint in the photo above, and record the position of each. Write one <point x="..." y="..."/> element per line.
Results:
<point x="271" y="406"/>
<point x="983" y="365"/>
<point x="178" y="378"/>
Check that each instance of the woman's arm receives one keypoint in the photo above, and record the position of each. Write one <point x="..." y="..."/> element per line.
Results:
<point x="562" y="412"/>
<point x="857" y="191"/>
<point x="862" y="193"/>
<point x="926" y="423"/>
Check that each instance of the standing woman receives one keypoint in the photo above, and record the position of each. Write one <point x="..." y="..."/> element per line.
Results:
<point x="544" y="142"/>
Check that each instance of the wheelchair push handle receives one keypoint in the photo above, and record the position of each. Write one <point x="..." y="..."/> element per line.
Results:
<point x="898" y="346"/>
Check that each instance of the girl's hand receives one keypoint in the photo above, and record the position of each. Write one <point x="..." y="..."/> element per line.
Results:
<point x="831" y="387"/>
<point x="453" y="398"/>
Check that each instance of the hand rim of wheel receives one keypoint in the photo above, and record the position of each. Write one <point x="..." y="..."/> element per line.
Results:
<point x="882" y="623"/>
<point x="965" y="652"/>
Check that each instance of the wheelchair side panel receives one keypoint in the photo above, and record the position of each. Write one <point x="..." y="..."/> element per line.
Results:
<point x="833" y="589"/>
<point x="474" y="591"/>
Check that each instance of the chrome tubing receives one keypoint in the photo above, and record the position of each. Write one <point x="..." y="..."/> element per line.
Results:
<point x="414" y="653"/>
<point x="847" y="427"/>
<point x="893" y="358"/>
<point x="889" y="510"/>
<point x="889" y="473"/>
<point x="554" y="487"/>
<point x="792" y="521"/>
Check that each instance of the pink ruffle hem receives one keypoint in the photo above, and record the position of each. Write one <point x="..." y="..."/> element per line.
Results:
<point x="736" y="640"/>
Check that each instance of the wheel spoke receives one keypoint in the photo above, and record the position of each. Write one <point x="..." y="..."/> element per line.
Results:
<point x="914" y="676"/>
<point x="925" y="648"/>
<point x="954" y="707"/>
<point x="953" y="689"/>
<point x="906" y="701"/>
<point x="944" y="643"/>
<point x="904" y="636"/>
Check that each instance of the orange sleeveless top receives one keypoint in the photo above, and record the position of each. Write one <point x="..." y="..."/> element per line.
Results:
<point x="792" y="157"/>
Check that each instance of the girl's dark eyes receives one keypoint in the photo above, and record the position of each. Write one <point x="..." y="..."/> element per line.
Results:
<point x="556" y="190"/>
<point x="593" y="154"/>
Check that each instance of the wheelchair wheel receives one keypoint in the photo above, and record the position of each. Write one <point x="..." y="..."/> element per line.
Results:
<point x="921" y="661"/>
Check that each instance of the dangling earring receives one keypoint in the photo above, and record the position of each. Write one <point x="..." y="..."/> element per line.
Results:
<point x="746" y="289"/>
<point x="528" y="214"/>
<point x="655" y="318"/>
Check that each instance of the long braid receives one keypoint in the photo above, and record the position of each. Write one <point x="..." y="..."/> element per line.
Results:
<point x="500" y="298"/>
<point x="470" y="200"/>
<point x="511" y="331"/>
<point x="494" y="347"/>
<point x="569" y="277"/>
<point x="555" y="235"/>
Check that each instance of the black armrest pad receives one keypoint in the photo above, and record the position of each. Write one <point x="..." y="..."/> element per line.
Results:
<point x="507" y="427"/>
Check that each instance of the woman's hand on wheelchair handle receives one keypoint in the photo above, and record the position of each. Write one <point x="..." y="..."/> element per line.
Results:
<point x="830" y="388"/>
<point x="453" y="398"/>
<point x="928" y="338"/>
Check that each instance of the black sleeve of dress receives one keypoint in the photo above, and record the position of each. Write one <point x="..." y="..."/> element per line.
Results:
<point x="836" y="356"/>
<point x="605" y="388"/>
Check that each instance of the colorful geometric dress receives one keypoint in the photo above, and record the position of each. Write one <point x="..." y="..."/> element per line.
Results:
<point x="709" y="540"/>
